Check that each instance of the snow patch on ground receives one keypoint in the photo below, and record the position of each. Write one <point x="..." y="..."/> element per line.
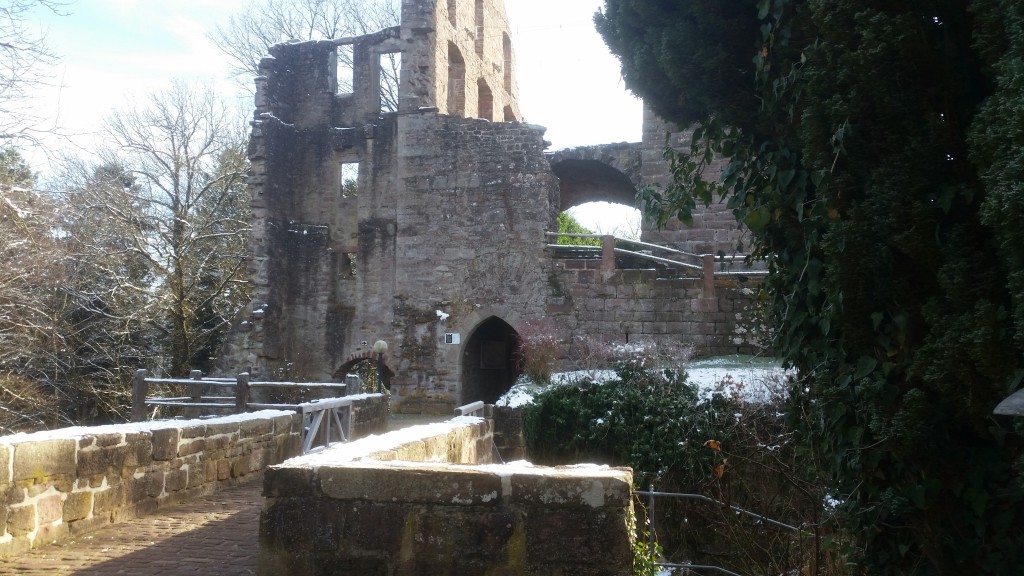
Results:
<point x="753" y="379"/>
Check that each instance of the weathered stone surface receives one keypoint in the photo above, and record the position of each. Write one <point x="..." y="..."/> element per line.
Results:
<point x="140" y="449"/>
<point x="99" y="461"/>
<point x="431" y="518"/>
<point x="165" y="443"/>
<point x="49" y="508"/>
<point x="574" y="490"/>
<point x="78" y="505"/>
<point x="106" y="501"/>
<point x="37" y="460"/>
<point x="194" y="446"/>
<point x="21" y="520"/>
<point x="288" y="482"/>
<point x="424" y="486"/>
<point x="605" y="542"/>
<point x="6" y="454"/>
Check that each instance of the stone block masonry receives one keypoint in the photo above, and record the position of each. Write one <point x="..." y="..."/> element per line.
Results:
<point x="64" y="483"/>
<point x="638" y="306"/>
<point x="426" y="501"/>
<point x="425" y="226"/>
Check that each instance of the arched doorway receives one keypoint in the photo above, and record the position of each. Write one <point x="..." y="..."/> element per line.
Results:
<point x="488" y="361"/>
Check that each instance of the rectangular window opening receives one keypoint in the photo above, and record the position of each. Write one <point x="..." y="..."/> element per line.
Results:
<point x="349" y="179"/>
<point x="345" y="69"/>
<point x="390" y="72"/>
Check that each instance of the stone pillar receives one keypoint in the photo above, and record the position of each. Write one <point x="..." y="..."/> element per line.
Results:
<point x="608" y="253"/>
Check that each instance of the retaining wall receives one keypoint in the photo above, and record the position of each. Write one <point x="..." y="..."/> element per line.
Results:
<point x="425" y="500"/>
<point x="637" y="306"/>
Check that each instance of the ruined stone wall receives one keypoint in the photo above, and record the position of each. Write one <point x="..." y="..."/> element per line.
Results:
<point x="413" y="502"/>
<point x="425" y="227"/>
<point x="470" y="244"/>
<point x="65" y="483"/>
<point x="714" y="227"/>
<point x="447" y="213"/>
<point x="459" y="49"/>
<point x="637" y="306"/>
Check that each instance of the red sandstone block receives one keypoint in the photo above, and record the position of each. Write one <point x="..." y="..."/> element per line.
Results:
<point x="49" y="509"/>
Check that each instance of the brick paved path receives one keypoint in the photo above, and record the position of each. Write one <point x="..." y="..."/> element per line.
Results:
<point x="214" y="535"/>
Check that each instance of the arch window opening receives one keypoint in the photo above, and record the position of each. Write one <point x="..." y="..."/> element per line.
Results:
<point x="485" y="105"/>
<point x="506" y="46"/>
<point x="456" y="82"/>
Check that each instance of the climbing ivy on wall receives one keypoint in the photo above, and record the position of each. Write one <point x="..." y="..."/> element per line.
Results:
<point x="874" y="154"/>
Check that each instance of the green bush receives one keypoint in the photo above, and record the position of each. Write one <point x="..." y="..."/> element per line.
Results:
<point x="638" y="419"/>
<point x="717" y="445"/>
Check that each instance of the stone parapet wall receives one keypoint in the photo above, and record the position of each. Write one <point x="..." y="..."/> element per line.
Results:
<point x="638" y="306"/>
<point x="60" y="484"/>
<point x="425" y="501"/>
<point x="509" y="439"/>
<point x="370" y="414"/>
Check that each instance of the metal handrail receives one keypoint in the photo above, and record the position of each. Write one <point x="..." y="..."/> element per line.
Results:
<point x="652" y="494"/>
<point x="659" y="259"/>
<point x="471" y="409"/>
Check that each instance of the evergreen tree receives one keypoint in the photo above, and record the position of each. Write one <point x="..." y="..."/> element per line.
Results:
<point x="874" y="153"/>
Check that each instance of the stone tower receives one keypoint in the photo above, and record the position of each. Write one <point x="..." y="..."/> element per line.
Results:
<point x="422" y="226"/>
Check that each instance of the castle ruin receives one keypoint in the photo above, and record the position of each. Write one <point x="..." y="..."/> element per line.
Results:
<point x="420" y="220"/>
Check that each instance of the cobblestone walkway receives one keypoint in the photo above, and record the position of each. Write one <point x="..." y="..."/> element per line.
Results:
<point x="214" y="535"/>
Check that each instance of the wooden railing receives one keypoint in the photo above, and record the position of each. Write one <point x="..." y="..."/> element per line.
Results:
<point x="325" y="420"/>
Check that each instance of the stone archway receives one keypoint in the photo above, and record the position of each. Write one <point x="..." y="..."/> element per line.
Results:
<point x="488" y="361"/>
<point x="608" y="173"/>
<point x="386" y="374"/>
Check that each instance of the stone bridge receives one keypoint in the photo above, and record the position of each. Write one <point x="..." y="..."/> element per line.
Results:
<point x="81" y="499"/>
<point x="425" y="226"/>
<point x="604" y="173"/>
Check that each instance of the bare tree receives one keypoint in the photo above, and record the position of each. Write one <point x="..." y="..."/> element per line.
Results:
<point x="23" y="59"/>
<point x="247" y="35"/>
<point x="30" y="268"/>
<point x="174" y="210"/>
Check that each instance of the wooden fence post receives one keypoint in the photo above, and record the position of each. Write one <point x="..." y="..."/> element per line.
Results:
<point x="197" y="392"/>
<point x="140" y="388"/>
<point x="241" y="392"/>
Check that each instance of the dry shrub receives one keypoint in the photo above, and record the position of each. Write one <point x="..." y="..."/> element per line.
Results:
<point x="24" y="407"/>
<point x="537" y="350"/>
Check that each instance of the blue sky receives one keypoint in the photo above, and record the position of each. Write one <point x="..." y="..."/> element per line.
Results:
<point x="113" y="51"/>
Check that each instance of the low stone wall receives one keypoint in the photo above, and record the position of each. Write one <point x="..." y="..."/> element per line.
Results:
<point x="637" y="305"/>
<point x="370" y="414"/>
<point x="64" y="483"/>
<point x="425" y="500"/>
<point x="509" y="438"/>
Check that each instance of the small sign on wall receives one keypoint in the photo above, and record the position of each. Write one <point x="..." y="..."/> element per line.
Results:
<point x="452" y="338"/>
